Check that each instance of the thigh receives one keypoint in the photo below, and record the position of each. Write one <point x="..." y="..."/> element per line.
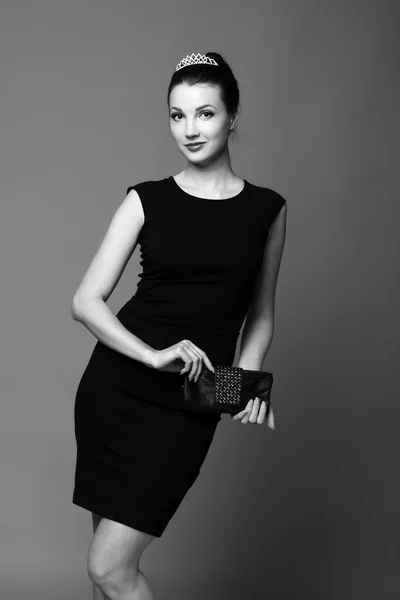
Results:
<point x="95" y="520"/>
<point x="115" y="546"/>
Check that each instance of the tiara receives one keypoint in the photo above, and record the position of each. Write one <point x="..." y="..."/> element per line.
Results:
<point x="196" y="59"/>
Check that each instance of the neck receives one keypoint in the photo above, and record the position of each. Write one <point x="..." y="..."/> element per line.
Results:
<point x="213" y="177"/>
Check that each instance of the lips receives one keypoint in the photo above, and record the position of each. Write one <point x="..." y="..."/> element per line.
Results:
<point x="194" y="145"/>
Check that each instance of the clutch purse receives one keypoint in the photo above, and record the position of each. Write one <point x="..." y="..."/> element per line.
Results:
<point x="228" y="390"/>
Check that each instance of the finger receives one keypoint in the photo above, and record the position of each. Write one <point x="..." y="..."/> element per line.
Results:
<point x="247" y="414"/>
<point x="185" y="354"/>
<point x="208" y="362"/>
<point x="254" y="412"/>
<point x="241" y="414"/>
<point x="262" y="412"/>
<point x="199" y="355"/>
<point x="194" y="364"/>
<point x="238" y="416"/>
<point x="245" y="419"/>
<point x="204" y="356"/>
<point x="271" y="418"/>
<point x="198" y="362"/>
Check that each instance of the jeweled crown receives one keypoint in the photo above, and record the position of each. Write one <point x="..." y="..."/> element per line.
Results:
<point x="196" y="59"/>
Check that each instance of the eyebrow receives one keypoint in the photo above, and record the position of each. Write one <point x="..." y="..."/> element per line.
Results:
<point x="198" y="108"/>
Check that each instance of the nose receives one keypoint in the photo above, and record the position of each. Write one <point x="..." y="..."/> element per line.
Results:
<point x="191" y="129"/>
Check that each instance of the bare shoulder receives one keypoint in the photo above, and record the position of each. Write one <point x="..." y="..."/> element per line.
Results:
<point x="113" y="253"/>
<point x="132" y="206"/>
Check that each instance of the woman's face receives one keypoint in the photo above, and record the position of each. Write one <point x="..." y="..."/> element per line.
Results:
<point x="197" y="114"/>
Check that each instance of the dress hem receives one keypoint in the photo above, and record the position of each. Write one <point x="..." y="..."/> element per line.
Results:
<point x="105" y="511"/>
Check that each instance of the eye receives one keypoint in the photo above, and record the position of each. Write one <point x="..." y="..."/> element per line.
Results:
<point x="205" y="112"/>
<point x="209" y="112"/>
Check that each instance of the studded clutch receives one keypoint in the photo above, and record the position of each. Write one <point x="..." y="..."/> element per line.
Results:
<point x="228" y="390"/>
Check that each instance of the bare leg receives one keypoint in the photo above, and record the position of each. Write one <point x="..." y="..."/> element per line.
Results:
<point x="113" y="561"/>
<point x="97" y="593"/>
<point x="139" y="589"/>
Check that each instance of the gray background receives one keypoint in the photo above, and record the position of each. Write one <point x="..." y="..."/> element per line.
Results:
<point x="308" y="510"/>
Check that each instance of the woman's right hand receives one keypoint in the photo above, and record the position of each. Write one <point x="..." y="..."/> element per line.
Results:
<point x="171" y="358"/>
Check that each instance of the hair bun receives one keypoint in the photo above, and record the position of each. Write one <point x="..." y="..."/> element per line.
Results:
<point x="216" y="56"/>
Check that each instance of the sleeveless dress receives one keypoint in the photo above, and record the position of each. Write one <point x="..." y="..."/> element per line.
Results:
<point x="138" y="451"/>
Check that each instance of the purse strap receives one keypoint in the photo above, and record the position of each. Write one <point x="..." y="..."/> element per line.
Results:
<point x="228" y="384"/>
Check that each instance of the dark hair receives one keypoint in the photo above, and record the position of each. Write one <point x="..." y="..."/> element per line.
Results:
<point x="221" y="76"/>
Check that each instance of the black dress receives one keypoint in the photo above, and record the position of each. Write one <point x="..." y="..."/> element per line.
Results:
<point x="138" y="451"/>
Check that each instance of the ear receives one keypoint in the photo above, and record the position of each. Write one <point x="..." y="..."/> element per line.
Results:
<point x="234" y="121"/>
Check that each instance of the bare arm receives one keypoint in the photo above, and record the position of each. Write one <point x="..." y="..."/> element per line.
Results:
<point x="89" y="303"/>
<point x="258" y="329"/>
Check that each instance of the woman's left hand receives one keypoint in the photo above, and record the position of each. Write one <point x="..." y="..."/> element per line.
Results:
<point x="255" y="412"/>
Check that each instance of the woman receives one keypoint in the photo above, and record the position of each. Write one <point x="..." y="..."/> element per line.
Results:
<point x="211" y="245"/>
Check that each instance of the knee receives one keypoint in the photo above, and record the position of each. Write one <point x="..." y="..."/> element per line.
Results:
<point x="96" y="571"/>
<point x="114" y="582"/>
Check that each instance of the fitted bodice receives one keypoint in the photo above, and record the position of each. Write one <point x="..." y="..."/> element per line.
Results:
<point x="200" y="258"/>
